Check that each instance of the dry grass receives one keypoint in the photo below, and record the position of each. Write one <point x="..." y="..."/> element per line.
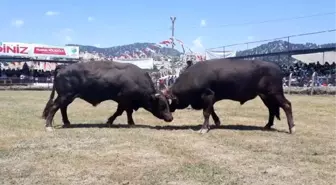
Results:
<point x="155" y="152"/>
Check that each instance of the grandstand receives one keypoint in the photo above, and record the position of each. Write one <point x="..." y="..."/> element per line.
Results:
<point x="303" y="66"/>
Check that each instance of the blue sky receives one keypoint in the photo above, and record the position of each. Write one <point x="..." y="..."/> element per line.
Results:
<point x="199" y="24"/>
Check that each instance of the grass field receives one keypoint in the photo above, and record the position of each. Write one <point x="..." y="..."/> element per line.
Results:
<point x="155" y="152"/>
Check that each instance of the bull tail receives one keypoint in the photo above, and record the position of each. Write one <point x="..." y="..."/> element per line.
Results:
<point x="51" y="98"/>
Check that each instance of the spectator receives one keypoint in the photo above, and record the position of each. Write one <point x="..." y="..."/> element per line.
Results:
<point x="189" y="63"/>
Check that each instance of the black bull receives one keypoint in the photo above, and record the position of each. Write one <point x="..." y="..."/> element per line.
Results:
<point x="97" y="81"/>
<point x="205" y="83"/>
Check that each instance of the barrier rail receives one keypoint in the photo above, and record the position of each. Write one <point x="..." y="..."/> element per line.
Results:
<point x="305" y="85"/>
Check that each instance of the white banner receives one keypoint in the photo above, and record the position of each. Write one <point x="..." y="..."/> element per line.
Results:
<point x="219" y="54"/>
<point x="16" y="49"/>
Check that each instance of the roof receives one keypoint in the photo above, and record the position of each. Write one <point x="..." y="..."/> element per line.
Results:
<point x="322" y="57"/>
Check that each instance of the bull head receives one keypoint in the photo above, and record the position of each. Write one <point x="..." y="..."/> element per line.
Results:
<point x="159" y="107"/>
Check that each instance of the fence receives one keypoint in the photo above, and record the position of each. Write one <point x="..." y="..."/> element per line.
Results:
<point x="310" y="85"/>
<point x="30" y="83"/>
<point x="306" y="85"/>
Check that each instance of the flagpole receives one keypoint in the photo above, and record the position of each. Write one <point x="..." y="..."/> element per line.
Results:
<point x="173" y="19"/>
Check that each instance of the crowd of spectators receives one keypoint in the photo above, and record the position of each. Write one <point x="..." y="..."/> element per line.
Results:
<point x="302" y="73"/>
<point x="302" y="69"/>
<point x="25" y="76"/>
<point x="15" y="73"/>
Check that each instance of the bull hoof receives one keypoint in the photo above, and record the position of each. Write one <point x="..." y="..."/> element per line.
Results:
<point x="131" y="123"/>
<point x="203" y="130"/>
<point x="217" y="123"/>
<point x="66" y="123"/>
<point x="109" y="124"/>
<point x="292" y="130"/>
<point x="268" y="127"/>
<point x="49" y="129"/>
<point x="66" y="126"/>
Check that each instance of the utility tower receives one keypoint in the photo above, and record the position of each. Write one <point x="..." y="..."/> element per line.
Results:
<point x="173" y="29"/>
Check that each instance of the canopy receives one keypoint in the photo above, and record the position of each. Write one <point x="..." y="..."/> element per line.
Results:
<point x="322" y="57"/>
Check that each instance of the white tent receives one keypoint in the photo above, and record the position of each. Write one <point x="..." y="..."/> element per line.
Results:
<point x="322" y="57"/>
<point x="144" y="63"/>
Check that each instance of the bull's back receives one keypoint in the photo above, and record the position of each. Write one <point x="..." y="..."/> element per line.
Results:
<point x="233" y="79"/>
<point x="98" y="81"/>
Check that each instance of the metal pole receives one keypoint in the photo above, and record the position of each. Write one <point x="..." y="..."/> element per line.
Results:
<point x="173" y="29"/>
<point x="313" y="83"/>
<point x="290" y="83"/>
<point x="224" y="51"/>
<point x="288" y="45"/>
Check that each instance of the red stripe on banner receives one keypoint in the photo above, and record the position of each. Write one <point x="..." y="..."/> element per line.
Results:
<point x="49" y="51"/>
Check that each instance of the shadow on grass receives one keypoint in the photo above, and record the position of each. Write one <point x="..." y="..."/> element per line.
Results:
<point x="170" y="127"/>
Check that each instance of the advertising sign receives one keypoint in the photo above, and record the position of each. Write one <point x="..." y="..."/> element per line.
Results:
<point x="15" y="49"/>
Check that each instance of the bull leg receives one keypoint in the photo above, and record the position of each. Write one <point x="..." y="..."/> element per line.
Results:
<point x="66" y="122"/>
<point x="208" y="101"/>
<point x="273" y="110"/>
<point x="270" y="122"/>
<point x="52" y="111"/>
<point x="215" y="118"/>
<point x="287" y="107"/>
<point x="130" y="120"/>
<point x="111" y="119"/>
<point x="69" y="99"/>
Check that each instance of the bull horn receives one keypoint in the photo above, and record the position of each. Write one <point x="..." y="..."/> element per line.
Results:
<point x="166" y="92"/>
<point x="157" y="95"/>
